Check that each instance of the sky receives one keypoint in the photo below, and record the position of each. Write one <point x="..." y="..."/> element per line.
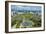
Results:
<point x="19" y="7"/>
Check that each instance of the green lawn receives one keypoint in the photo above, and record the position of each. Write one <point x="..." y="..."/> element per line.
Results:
<point x="31" y="19"/>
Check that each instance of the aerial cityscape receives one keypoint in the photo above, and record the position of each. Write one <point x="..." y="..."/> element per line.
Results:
<point x="25" y="16"/>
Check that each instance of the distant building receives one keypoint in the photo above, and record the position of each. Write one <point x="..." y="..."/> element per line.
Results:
<point x="13" y="13"/>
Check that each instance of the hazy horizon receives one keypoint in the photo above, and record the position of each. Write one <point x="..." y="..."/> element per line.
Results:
<point x="19" y="7"/>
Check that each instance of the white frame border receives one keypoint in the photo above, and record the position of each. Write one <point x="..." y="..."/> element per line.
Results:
<point x="27" y="29"/>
